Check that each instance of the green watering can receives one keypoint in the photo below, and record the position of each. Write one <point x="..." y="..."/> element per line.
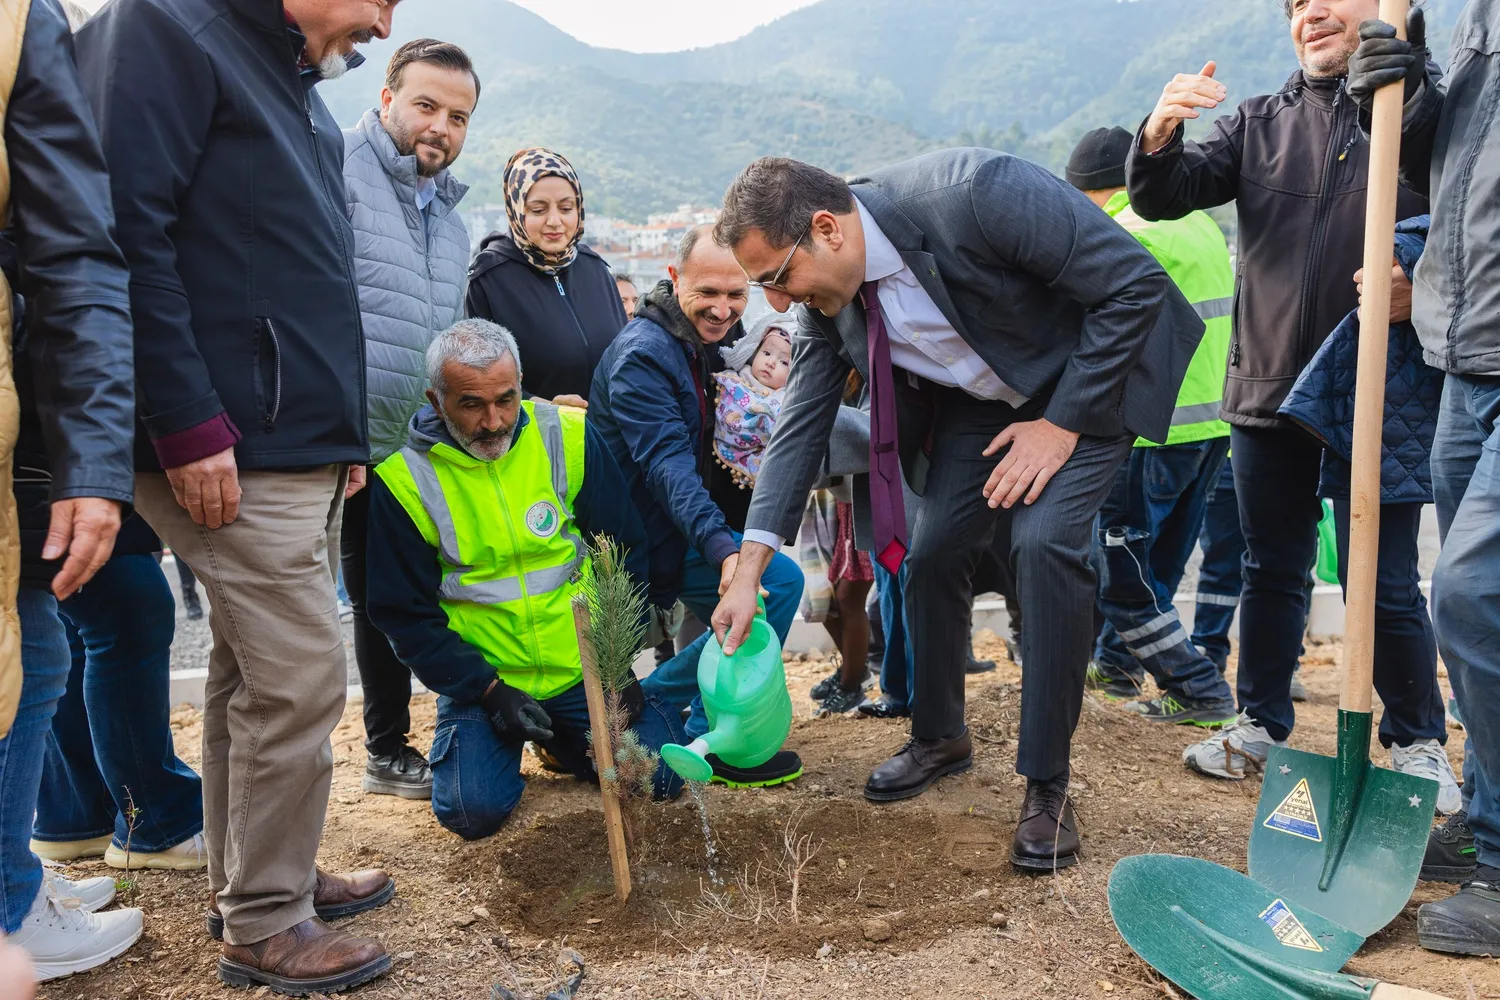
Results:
<point x="745" y="697"/>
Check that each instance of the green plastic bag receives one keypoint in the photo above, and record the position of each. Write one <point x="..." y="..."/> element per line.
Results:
<point x="1327" y="569"/>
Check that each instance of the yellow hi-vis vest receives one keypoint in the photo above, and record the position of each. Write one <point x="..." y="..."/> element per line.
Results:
<point x="1193" y="253"/>
<point x="507" y="544"/>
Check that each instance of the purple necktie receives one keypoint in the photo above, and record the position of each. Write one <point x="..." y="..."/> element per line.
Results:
<point x="887" y="506"/>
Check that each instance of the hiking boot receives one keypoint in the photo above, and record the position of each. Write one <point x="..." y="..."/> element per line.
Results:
<point x="308" y="958"/>
<point x="404" y="773"/>
<point x="1047" y="836"/>
<point x="61" y="937"/>
<point x="1232" y="752"/>
<point x="1450" y="853"/>
<point x="1109" y="687"/>
<point x="842" y="701"/>
<point x="189" y="856"/>
<point x="334" y="896"/>
<point x="89" y="894"/>
<point x="1299" y="693"/>
<point x="68" y="851"/>
<point x="1185" y="711"/>
<point x="834" y="682"/>
<point x="1427" y="759"/>
<point x="917" y="765"/>
<point x="1467" y="923"/>
<point x="884" y="707"/>
<point x="784" y="766"/>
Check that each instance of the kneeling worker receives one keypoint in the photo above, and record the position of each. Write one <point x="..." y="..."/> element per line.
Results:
<point x="477" y="532"/>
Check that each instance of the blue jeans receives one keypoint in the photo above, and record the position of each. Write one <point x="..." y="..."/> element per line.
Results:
<point x="1219" y="577"/>
<point x="897" y="666"/>
<point x="44" y="678"/>
<point x="1147" y="529"/>
<point x="675" y="683"/>
<point x="1466" y="585"/>
<point x="476" y="778"/>
<point x="111" y="737"/>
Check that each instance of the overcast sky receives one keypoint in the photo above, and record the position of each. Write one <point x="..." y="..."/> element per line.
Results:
<point x="649" y="25"/>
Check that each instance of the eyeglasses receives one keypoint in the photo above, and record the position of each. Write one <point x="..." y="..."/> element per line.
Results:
<point x="775" y="283"/>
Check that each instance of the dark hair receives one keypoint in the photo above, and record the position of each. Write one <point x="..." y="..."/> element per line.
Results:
<point x="434" y="53"/>
<point x="623" y="278"/>
<point x="1286" y="7"/>
<point x="779" y="197"/>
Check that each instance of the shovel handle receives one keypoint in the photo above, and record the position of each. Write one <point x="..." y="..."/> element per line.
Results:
<point x="1369" y="390"/>
<point x="1388" y="991"/>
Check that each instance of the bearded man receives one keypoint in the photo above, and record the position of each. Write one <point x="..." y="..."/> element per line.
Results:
<point x="411" y="251"/>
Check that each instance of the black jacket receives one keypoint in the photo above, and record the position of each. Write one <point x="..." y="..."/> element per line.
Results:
<point x="227" y="172"/>
<point x="561" y="325"/>
<point x="1295" y="164"/>
<point x="404" y="573"/>
<point x="71" y="348"/>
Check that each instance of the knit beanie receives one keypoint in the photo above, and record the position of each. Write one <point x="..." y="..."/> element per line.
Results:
<point x="1098" y="161"/>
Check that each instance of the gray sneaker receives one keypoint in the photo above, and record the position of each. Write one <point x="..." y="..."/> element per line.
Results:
<point x="1299" y="693"/>
<point x="1233" y="751"/>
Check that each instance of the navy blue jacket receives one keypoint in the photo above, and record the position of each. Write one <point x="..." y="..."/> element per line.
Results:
<point x="404" y="574"/>
<point x="227" y="173"/>
<point x="1322" y="399"/>
<point x="652" y="403"/>
<point x="562" y="325"/>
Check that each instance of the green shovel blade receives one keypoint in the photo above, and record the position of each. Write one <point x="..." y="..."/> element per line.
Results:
<point x="1343" y="839"/>
<point x="1219" y="934"/>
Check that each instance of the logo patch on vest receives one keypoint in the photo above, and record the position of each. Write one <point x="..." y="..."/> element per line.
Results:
<point x="543" y="519"/>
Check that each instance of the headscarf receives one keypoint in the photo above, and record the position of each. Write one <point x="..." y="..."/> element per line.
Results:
<point x="525" y="168"/>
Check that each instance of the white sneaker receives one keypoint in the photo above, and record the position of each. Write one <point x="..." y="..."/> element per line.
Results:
<point x="62" y="938"/>
<point x="188" y="856"/>
<point x="1427" y="759"/>
<point x="90" y="893"/>
<point x="1233" y="751"/>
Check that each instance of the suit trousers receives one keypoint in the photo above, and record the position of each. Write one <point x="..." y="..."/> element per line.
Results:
<point x="1049" y="552"/>
<point x="276" y="680"/>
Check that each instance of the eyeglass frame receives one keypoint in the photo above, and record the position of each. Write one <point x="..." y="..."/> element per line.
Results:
<point x="775" y="283"/>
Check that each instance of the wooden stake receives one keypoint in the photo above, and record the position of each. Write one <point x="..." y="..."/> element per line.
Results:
<point x="604" y="754"/>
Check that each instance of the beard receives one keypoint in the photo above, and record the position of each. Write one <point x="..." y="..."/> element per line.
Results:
<point x="406" y="144"/>
<point x="1329" y="64"/>
<point x="487" y="446"/>
<point x="332" y="66"/>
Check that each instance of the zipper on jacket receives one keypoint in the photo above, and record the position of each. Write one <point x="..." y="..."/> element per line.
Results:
<point x="275" y="408"/>
<point x="1314" y="271"/>
<point x="588" y="361"/>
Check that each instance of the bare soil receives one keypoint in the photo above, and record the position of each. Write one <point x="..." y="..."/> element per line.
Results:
<point x="914" y="899"/>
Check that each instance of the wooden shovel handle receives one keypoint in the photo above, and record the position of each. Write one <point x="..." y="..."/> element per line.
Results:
<point x="1388" y="991"/>
<point x="1369" y="391"/>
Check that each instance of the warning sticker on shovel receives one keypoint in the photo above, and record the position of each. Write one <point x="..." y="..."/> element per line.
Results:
<point x="1287" y="928"/>
<point x="1297" y="815"/>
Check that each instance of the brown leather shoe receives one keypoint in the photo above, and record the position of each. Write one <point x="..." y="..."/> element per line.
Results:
<point x="1047" y="837"/>
<point x="917" y="765"/>
<point x="334" y="896"/>
<point x="308" y="958"/>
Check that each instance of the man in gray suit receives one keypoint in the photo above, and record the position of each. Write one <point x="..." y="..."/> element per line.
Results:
<point x="1014" y="341"/>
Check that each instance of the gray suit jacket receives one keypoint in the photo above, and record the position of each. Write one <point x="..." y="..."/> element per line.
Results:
<point x="1058" y="299"/>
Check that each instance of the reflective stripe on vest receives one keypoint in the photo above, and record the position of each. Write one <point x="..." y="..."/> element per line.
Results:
<point x="1214" y="308"/>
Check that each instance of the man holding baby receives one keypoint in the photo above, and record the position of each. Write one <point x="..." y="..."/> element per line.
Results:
<point x="1015" y="341"/>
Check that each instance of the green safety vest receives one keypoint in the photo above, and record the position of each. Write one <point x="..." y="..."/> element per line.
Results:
<point x="507" y="544"/>
<point x="1193" y="253"/>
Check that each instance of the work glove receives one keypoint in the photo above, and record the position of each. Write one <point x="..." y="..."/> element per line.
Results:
<point x="633" y="700"/>
<point x="515" y="715"/>
<point x="1382" y="59"/>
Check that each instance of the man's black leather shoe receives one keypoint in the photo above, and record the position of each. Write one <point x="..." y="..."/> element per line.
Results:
<point x="1047" y="836"/>
<point x="883" y="708"/>
<point x="918" y="765"/>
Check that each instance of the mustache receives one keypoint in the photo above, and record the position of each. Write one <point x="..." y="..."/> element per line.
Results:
<point x="364" y="36"/>
<point x="1328" y="27"/>
<point x="484" y="437"/>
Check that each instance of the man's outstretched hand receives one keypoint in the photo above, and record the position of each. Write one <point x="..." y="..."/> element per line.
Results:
<point x="84" y="530"/>
<point x="1037" y="449"/>
<point x="739" y="588"/>
<point x="1180" y="100"/>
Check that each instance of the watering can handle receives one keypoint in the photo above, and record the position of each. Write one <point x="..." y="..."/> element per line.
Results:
<point x="1388" y="991"/>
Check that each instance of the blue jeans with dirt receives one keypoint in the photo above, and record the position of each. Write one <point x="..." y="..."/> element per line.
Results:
<point x="897" y="665"/>
<point x="110" y="745"/>
<point x="675" y="683"/>
<point x="1466" y="585"/>
<point x="476" y="776"/>
<point x="44" y="679"/>
<point x="1147" y="529"/>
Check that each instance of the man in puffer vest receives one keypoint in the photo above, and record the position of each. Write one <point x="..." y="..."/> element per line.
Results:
<point x="482" y="520"/>
<point x="411" y="252"/>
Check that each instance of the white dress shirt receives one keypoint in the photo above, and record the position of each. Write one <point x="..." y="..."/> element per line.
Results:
<point x="923" y="342"/>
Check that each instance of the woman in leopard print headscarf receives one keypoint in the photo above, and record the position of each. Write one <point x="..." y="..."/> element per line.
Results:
<point x="541" y="282"/>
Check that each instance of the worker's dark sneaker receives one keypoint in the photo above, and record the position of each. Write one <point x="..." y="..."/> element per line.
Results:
<point x="832" y="683"/>
<point x="1101" y="683"/>
<point x="1467" y="923"/>
<point x="404" y="773"/>
<point x="884" y="707"/>
<point x="783" y="767"/>
<point x="1185" y="712"/>
<point x="1450" y="853"/>
<point x="842" y="701"/>
<point x="1299" y="693"/>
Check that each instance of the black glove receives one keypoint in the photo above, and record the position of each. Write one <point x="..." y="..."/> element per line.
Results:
<point x="633" y="700"/>
<point x="515" y="715"/>
<point x="1382" y="58"/>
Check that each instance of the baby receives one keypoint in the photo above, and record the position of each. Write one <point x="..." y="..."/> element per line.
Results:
<point x="750" y="394"/>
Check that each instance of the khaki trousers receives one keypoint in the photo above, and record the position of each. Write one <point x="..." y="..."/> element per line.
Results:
<point x="276" y="681"/>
